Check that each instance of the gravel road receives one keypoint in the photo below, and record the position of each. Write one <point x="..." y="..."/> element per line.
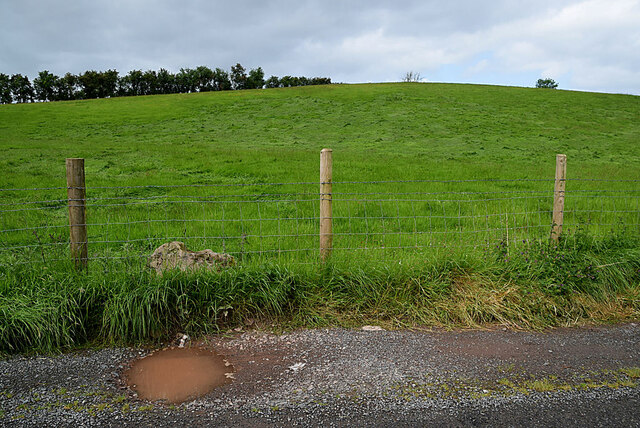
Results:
<point x="564" y="377"/>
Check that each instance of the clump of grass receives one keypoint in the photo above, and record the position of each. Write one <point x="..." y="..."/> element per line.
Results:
<point x="506" y="382"/>
<point x="542" y="385"/>
<point x="579" y="262"/>
<point x="42" y="311"/>
<point x="631" y="372"/>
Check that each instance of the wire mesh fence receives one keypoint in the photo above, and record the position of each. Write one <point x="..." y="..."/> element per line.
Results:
<point x="130" y="222"/>
<point x="280" y="221"/>
<point x="475" y="213"/>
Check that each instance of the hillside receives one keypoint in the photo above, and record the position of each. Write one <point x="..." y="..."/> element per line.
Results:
<point x="377" y="131"/>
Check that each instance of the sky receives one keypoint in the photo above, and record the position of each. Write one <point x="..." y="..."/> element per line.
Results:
<point x="587" y="45"/>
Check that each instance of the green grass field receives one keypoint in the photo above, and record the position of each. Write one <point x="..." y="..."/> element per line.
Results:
<point x="377" y="132"/>
<point x="442" y="209"/>
<point x="397" y="132"/>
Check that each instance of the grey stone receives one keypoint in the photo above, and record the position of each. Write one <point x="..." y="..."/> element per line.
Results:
<point x="175" y="254"/>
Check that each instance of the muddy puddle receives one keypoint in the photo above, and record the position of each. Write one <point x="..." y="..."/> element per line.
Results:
<point x="177" y="375"/>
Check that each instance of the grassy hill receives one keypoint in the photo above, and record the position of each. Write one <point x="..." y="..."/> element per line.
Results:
<point x="377" y="131"/>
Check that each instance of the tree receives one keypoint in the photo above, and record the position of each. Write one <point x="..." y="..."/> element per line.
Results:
<point x="5" y="89"/>
<point x="90" y="83"/>
<point x="411" y="76"/>
<point x="132" y="84"/>
<point x="238" y="77"/>
<point x="320" y="81"/>
<point x="255" y="80"/>
<point x="221" y="81"/>
<point x="186" y="80"/>
<point x="45" y="86"/>
<point x="21" y="88"/>
<point x="165" y="82"/>
<point x="105" y="84"/>
<point x="66" y="87"/>
<point x="149" y="83"/>
<point x="288" y="81"/>
<point x="546" y="83"/>
<point x="108" y="81"/>
<point x="272" y="82"/>
<point x="204" y="78"/>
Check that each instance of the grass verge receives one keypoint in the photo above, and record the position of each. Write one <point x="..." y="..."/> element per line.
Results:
<point x="533" y="286"/>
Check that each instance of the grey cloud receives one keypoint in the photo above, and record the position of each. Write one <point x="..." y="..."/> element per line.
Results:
<point x="347" y="40"/>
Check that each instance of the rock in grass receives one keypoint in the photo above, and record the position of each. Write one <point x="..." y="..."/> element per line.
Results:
<point x="175" y="254"/>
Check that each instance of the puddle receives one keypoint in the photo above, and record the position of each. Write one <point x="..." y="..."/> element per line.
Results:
<point x="178" y="374"/>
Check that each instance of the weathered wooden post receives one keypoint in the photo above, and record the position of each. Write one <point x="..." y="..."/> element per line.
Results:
<point x="76" y="195"/>
<point x="558" y="197"/>
<point x="326" y="234"/>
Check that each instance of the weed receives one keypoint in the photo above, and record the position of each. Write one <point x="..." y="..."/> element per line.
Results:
<point x="506" y="382"/>
<point x="73" y="406"/>
<point x="100" y="407"/>
<point x="632" y="372"/>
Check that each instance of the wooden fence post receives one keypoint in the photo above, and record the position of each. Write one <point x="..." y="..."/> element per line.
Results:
<point x="558" y="197"/>
<point x="326" y="234"/>
<point x="76" y="195"/>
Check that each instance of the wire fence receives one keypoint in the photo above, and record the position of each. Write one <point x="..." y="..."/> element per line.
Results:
<point x="280" y="221"/>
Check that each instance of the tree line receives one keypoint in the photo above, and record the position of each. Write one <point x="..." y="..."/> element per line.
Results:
<point x="104" y="84"/>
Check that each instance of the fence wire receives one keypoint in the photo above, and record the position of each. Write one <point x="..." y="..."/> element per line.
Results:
<point x="281" y="220"/>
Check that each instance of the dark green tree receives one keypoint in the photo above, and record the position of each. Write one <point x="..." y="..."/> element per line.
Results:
<point x="132" y="84"/>
<point x="5" y="89"/>
<point x="67" y="87"/>
<point x="21" y="88"/>
<point x="221" y="81"/>
<point x="255" y="80"/>
<point x="288" y="81"/>
<point x="107" y="83"/>
<point x="149" y="83"/>
<point x="45" y="86"/>
<point x="104" y="84"/>
<point x="238" y="77"/>
<point x="165" y="82"/>
<point x="204" y="79"/>
<point x="546" y="83"/>
<point x="272" y="82"/>
<point x="186" y="80"/>
<point x="320" y="81"/>
<point x="89" y="81"/>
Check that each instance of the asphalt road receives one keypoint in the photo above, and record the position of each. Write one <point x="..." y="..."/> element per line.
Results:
<point x="565" y="377"/>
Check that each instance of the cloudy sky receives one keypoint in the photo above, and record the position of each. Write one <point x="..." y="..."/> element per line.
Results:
<point x="591" y="45"/>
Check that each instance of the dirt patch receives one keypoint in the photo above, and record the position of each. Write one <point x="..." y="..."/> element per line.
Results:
<point x="177" y="375"/>
<point x="563" y="347"/>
